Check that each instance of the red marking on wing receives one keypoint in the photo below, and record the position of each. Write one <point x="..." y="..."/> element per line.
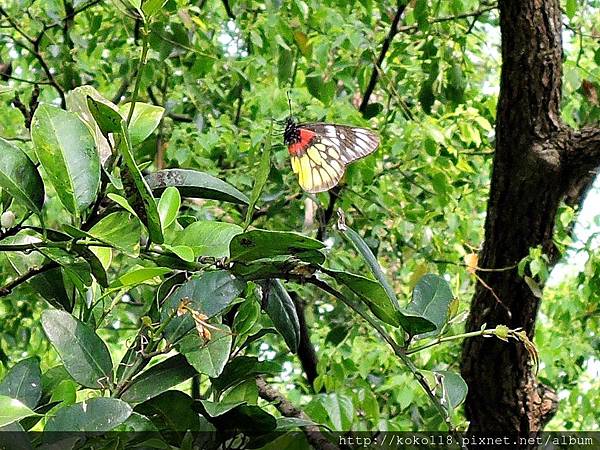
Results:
<point x="305" y="137"/>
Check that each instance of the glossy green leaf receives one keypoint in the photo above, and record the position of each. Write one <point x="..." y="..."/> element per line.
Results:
<point x="12" y="410"/>
<point x="95" y="414"/>
<point x="23" y="382"/>
<point x="320" y="89"/>
<point x="431" y="300"/>
<point x="209" y="293"/>
<point x="171" y="410"/>
<point x="280" y="308"/>
<point x="19" y="177"/>
<point x="246" y="316"/>
<point x="371" y="292"/>
<point x="361" y="246"/>
<point x="77" y="103"/>
<point x="66" y="150"/>
<point x="84" y="355"/>
<point x="208" y="238"/>
<point x="120" y="230"/>
<point x="182" y="251"/>
<point x="283" y="266"/>
<point x="143" y="122"/>
<point x="216" y="409"/>
<point x="51" y="286"/>
<point x="207" y="357"/>
<point x="195" y="184"/>
<point x="105" y="115"/>
<point x="158" y="378"/>
<point x="260" y="244"/>
<point x="336" y="409"/>
<point x="139" y="276"/>
<point x="261" y="177"/>
<point x="242" y="368"/>
<point x="168" y="206"/>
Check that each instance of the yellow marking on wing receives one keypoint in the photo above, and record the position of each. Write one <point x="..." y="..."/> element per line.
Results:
<point x="314" y="154"/>
<point x="295" y="164"/>
<point x="320" y="147"/>
<point x="333" y="153"/>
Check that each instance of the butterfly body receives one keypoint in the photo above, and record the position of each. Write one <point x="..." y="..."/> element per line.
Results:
<point x="319" y="152"/>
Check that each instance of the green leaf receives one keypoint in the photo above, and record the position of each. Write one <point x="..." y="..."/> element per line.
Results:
<point x="454" y="388"/>
<point x="571" y="9"/>
<point x="140" y="196"/>
<point x="83" y="353"/>
<point x="182" y="251"/>
<point x="66" y="150"/>
<point x="248" y="419"/>
<point x="284" y="65"/>
<point x="280" y="308"/>
<point x="361" y="246"/>
<point x="431" y="300"/>
<point x="171" y="410"/>
<point x="372" y="110"/>
<point x="151" y="7"/>
<point x="95" y="414"/>
<point x="20" y="178"/>
<point x="168" y="206"/>
<point x="23" y="382"/>
<point x="337" y="409"/>
<point x="192" y="183"/>
<point x="50" y="285"/>
<point x="209" y="294"/>
<point x="371" y="292"/>
<point x="243" y="368"/>
<point x="158" y="378"/>
<point x="208" y="238"/>
<point x="120" y="230"/>
<point x="261" y="177"/>
<point x="144" y="121"/>
<point x="77" y="103"/>
<point x="216" y="409"/>
<point x="121" y="201"/>
<point x="208" y="357"/>
<point x="320" y="89"/>
<point x="246" y="316"/>
<point x="282" y="266"/>
<point x="260" y="244"/>
<point x="12" y="410"/>
<point x="139" y="276"/>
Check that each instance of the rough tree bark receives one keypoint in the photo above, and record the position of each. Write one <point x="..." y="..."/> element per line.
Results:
<point x="539" y="162"/>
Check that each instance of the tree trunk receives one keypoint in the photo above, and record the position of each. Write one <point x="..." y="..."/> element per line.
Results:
<point x="539" y="162"/>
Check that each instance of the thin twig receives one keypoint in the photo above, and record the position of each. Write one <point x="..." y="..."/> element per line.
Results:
<point x="8" y="287"/>
<point x="384" y="48"/>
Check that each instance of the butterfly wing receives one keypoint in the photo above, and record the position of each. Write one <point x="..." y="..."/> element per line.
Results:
<point x="323" y="150"/>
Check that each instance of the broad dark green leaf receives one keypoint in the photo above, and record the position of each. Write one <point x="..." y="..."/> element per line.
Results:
<point x="248" y="419"/>
<point x="50" y="285"/>
<point x="158" y="379"/>
<point x="196" y="184"/>
<point x="171" y="410"/>
<point x="19" y="177"/>
<point x="95" y="414"/>
<point x="259" y="244"/>
<point x="23" y="382"/>
<point x="371" y="292"/>
<point x="280" y="308"/>
<point x="283" y="266"/>
<point x="245" y="318"/>
<point x="261" y="176"/>
<point x="209" y="294"/>
<point x="431" y="300"/>
<point x="107" y="118"/>
<point x="139" y="275"/>
<point x="242" y="368"/>
<point x="208" y="238"/>
<point x="454" y="388"/>
<point x="144" y="120"/>
<point x="12" y="410"/>
<point x="216" y="409"/>
<point x="66" y="150"/>
<point x="208" y="357"/>
<point x="362" y="247"/>
<point x="84" y="355"/>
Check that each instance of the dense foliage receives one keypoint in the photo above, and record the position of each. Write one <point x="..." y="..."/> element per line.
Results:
<point x="158" y="254"/>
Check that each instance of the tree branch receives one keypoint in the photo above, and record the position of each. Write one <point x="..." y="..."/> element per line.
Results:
<point x="8" y="287"/>
<point x="476" y="14"/>
<point x="384" y="49"/>
<point x="287" y="409"/>
<point x="228" y="10"/>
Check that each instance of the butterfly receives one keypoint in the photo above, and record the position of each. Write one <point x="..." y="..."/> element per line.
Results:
<point x="319" y="152"/>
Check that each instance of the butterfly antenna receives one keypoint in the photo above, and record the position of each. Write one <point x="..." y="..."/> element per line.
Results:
<point x="289" y="101"/>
